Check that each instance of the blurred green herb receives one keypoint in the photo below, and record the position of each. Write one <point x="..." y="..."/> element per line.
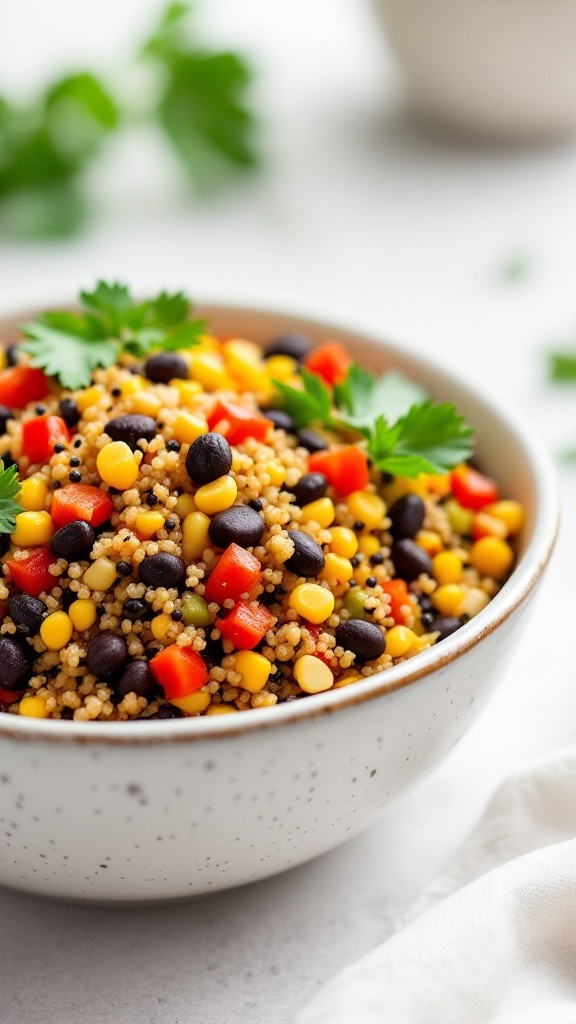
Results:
<point x="9" y="491"/>
<point x="199" y="101"/>
<point x="563" y="366"/>
<point x="516" y="269"/>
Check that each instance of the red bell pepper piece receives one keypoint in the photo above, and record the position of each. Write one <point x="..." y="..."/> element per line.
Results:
<point x="236" y="424"/>
<point x="246" y="625"/>
<point x="330" y="362"/>
<point x="8" y="697"/>
<point x="20" y="385"/>
<point x="41" y="434"/>
<point x="237" y="573"/>
<point x="346" y="469"/>
<point x="80" y="501"/>
<point x="471" y="488"/>
<point x="398" y="593"/>
<point x="31" y="574"/>
<point x="179" y="671"/>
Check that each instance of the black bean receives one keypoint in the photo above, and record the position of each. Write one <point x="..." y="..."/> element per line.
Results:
<point x="27" y="613"/>
<point x="177" y="615"/>
<point x="73" y="541"/>
<point x="123" y="568"/>
<point x="14" y="664"/>
<point x="238" y="524"/>
<point x="281" y="420"/>
<point x="136" y="678"/>
<point x="308" y="559"/>
<point x="425" y="602"/>
<point x="163" y="367"/>
<point x="59" y="448"/>
<point x="106" y="654"/>
<point x="170" y="524"/>
<point x="213" y="652"/>
<point x="40" y="410"/>
<point x="132" y="429"/>
<point x="445" y="625"/>
<point x="173" y="445"/>
<point x="74" y="461"/>
<point x="135" y="609"/>
<point x="12" y="355"/>
<point x="297" y="346"/>
<point x="256" y="504"/>
<point x="312" y="441"/>
<point x="364" y="639"/>
<point x="209" y="457"/>
<point x="371" y="581"/>
<point x="410" y="561"/>
<point x="116" y="392"/>
<point x="407" y="515"/>
<point x="309" y="488"/>
<point x="5" y="415"/>
<point x="427" y="618"/>
<point x="152" y="498"/>
<point x="377" y="559"/>
<point x="168" y="711"/>
<point x="69" y="412"/>
<point x="162" y="570"/>
<point x="74" y="476"/>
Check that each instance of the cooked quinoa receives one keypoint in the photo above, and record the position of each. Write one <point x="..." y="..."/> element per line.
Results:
<point x="136" y="488"/>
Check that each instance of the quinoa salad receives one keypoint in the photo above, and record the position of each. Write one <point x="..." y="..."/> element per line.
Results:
<point x="197" y="525"/>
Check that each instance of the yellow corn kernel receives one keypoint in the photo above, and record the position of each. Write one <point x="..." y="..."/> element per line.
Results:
<point x="312" y="674"/>
<point x="195" y="537"/>
<point x="56" y="631"/>
<point x="160" y="626"/>
<point x="88" y="397"/>
<point x="312" y="602"/>
<point x="254" y="669"/>
<point x="509" y="512"/>
<point x="366" y="507"/>
<point x="402" y="485"/>
<point x="216" y="496"/>
<point x="489" y="526"/>
<point x="276" y="472"/>
<point x="337" y="568"/>
<point x="83" y="614"/>
<point x="474" y="601"/>
<point x="33" y="707"/>
<point x="132" y="386"/>
<point x="244" y="362"/>
<point x="33" y="493"/>
<point x="33" y="529"/>
<point x="439" y="483"/>
<point x="345" y="542"/>
<point x="351" y="676"/>
<point x="117" y="465"/>
<point x="101" y="574"/>
<point x="193" y="703"/>
<point x="185" y="505"/>
<point x="447" y="568"/>
<point x="3" y="359"/>
<point x="148" y="523"/>
<point x="207" y="343"/>
<point x="187" y="428"/>
<point x="282" y="368"/>
<point x="368" y="545"/>
<point x="429" y="541"/>
<point x="209" y="370"/>
<point x="321" y="511"/>
<point x="399" y="640"/>
<point x="448" y="598"/>
<point x="491" y="556"/>
<point x="221" y="709"/>
<point x="146" y="403"/>
<point x="188" y="390"/>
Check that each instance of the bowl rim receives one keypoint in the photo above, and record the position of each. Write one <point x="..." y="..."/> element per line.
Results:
<point x="514" y="592"/>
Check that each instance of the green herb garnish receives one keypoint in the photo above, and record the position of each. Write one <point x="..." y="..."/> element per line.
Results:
<point x="70" y="346"/>
<point x="563" y="366"/>
<point x="9" y="490"/>
<point x="406" y="432"/>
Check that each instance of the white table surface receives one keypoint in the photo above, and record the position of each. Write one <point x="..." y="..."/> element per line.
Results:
<point x="362" y="212"/>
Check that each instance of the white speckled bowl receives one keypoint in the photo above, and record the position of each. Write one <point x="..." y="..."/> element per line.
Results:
<point x="170" y="809"/>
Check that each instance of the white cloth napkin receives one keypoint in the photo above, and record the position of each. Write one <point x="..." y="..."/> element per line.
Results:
<point x="493" y="941"/>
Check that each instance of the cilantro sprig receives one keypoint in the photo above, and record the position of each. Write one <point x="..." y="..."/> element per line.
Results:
<point x="406" y="433"/>
<point x="70" y="345"/>
<point x="9" y="491"/>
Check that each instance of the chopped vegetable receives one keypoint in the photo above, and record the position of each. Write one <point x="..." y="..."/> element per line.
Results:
<point x="20" y="385"/>
<point x="237" y="573"/>
<point x="31" y="574"/>
<point x="80" y="501"/>
<point x="179" y="671"/>
<point x="330" y="361"/>
<point x="40" y="435"/>
<point x="9" y="491"/>
<point x="346" y="469"/>
<point x="237" y="423"/>
<point x="246" y="625"/>
<point x="397" y="592"/>
<point x="472" y="489"/>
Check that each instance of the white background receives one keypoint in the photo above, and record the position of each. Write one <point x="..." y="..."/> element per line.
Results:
<point x="362" y="212"/>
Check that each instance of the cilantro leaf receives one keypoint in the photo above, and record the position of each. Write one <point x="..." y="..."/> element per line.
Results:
<point x="563" y="366"/>
<point x="362" y="396"/>
<point x="430" y="438"/>
<point x="9" y="490"/>
<point x="311" y="405"/>
<point x="70" y="357"/>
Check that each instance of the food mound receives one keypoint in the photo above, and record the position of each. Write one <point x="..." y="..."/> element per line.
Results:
<point x="197" y="525"/>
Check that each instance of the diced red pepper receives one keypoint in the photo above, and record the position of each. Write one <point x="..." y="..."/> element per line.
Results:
<point x="471" y="488"/>
<point x="80" y="501"/>
<point x="246" y="625"/>
<point x="179" y="671"/>
<point x="237" y="573"/>
<point x="236" y="424"/>
<point x="330" y="362"/>
<point x="20" y="385"/>
<point x="399" y="597"/>
<point x="41" y="434"/>
<point x="31" y="574"/>
<point x="346" y="469"/>
<point x="8" y="697"/>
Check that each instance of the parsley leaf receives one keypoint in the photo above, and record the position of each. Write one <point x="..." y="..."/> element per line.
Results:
<point x="430" y="438"/>
<point x="9" y="490"/>
<point x="70" y="357"/>
<point x="362" y="396"/>
<point x="312" y="404"/>
<point x="563" y="366"/>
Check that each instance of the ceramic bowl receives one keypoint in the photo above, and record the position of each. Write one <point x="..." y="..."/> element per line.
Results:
<point x="496" y="69"/>
<point x="161" y="810"/>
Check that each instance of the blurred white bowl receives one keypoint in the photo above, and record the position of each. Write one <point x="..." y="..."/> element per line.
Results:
<point x="496" y="69"/>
